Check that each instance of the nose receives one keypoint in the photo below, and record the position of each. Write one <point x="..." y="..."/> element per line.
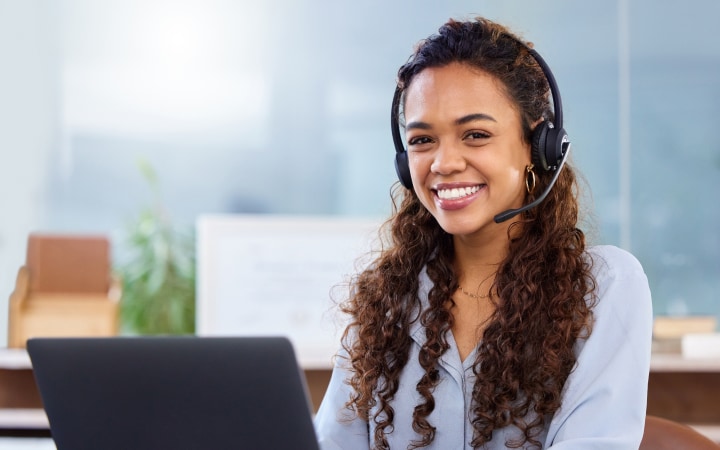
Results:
<point x="448" y="159"/>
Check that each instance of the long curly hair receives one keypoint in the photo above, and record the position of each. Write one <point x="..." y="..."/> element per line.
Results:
<point x="544" y="287"/>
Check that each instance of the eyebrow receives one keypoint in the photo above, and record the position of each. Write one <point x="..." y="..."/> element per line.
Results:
<point x="461" y="121"/>
<point x="473" y="117"/>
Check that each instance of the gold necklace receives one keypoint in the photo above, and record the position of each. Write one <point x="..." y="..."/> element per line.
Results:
<point x="470" y="294"/>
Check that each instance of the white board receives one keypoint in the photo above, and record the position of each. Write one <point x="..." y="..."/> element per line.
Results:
<point x="280" y="275"/>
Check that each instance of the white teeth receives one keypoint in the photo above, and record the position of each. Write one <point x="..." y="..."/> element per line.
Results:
<point x="454" y="193"/>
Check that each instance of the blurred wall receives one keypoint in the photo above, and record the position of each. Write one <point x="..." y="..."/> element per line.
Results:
<point x="282" y="107"/>
<point x="29" y="119"/>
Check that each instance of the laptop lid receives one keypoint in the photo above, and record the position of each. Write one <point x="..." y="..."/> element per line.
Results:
<point x="151" y="393"/>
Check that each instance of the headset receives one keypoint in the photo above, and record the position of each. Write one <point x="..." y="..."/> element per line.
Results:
<point x="549" y="148"/>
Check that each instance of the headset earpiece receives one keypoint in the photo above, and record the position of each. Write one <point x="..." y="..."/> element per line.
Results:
<point x="539" y="138"/>
<point x="547" y="145"/>
<point x="556" y="146"/>
<point x="402" y="167"/>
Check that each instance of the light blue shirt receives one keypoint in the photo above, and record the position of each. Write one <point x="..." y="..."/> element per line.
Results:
<point x="604" y="398"/>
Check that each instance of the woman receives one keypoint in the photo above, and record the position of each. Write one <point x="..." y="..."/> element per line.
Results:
<point x="478" y="330"/>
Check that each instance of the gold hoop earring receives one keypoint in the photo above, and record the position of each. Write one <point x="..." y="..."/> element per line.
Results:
<point x="529" y="179"/>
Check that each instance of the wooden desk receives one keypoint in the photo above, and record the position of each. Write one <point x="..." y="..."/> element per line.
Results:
<point x="687" y="391"/>
<point x="681" y="389"/>
<point x="21" y="411"/>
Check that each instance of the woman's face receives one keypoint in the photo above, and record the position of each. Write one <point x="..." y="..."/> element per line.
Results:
<point x="465" y="147"/>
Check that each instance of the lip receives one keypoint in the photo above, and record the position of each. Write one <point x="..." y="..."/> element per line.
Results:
<point x="456" y="203"/>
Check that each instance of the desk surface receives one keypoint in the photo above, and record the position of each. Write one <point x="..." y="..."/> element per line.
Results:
<point x="671" y="362"/>
<point x="15" y="359"/>
<point x="23" y="419"/>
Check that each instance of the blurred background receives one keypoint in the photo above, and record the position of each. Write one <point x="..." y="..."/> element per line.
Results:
<point x="282" y="107"/>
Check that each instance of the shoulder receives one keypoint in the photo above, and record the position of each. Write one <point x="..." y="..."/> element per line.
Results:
<point x="615" y="270"/>
<point x="609" y="381"/>
<point x="609" y="261"/>
<point x="621" y="286"/>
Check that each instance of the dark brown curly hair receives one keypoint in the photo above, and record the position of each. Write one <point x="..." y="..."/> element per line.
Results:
<point x="544" y="286"/>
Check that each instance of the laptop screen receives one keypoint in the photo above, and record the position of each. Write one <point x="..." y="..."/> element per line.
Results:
<point x="177" y="393"/>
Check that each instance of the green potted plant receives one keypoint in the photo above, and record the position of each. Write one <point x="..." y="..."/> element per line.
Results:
<point x="158" y="277"/>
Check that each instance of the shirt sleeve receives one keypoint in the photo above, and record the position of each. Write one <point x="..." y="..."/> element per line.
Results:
<point x="336" y="426"/>
<point x="605" y="397"/>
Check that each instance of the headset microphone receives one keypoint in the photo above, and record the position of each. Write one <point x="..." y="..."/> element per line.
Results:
<point x="510" y="213"/>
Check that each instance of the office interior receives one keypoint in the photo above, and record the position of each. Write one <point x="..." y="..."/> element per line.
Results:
<point x="280" y="109"/>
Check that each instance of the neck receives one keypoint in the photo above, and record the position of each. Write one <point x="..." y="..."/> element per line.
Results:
<point x="477" y="258"/>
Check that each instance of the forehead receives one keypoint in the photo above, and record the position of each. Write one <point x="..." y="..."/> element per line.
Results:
<point x="455" y="90"/>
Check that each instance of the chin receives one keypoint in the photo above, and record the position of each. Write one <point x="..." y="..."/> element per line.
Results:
<point x="464" y="228"/>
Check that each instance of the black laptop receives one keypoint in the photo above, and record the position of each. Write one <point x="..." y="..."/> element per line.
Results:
<point x="175" y="393"/>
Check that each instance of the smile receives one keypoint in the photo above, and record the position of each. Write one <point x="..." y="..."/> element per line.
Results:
<point x="456" y="193"/>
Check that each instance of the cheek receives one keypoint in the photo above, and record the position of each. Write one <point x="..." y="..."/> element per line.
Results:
<point x="516" y="175"/>
<point x="419" y="168"/>
<point x="516" y="182"/>
<point x="516" y="166"/>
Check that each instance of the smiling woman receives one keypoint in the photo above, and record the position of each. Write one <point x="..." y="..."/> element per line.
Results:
<point x="473" y="332"/>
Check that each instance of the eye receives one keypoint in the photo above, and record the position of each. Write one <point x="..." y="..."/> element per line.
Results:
<point x="476" y="136"/>
<point x="419" y="141"/>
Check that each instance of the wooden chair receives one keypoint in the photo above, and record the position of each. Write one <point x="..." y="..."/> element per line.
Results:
<point x="664" y="434"/>
<point x="65" y="288"/>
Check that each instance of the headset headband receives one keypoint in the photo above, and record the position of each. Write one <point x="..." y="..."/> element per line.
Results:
<point x="554" y="92"/>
